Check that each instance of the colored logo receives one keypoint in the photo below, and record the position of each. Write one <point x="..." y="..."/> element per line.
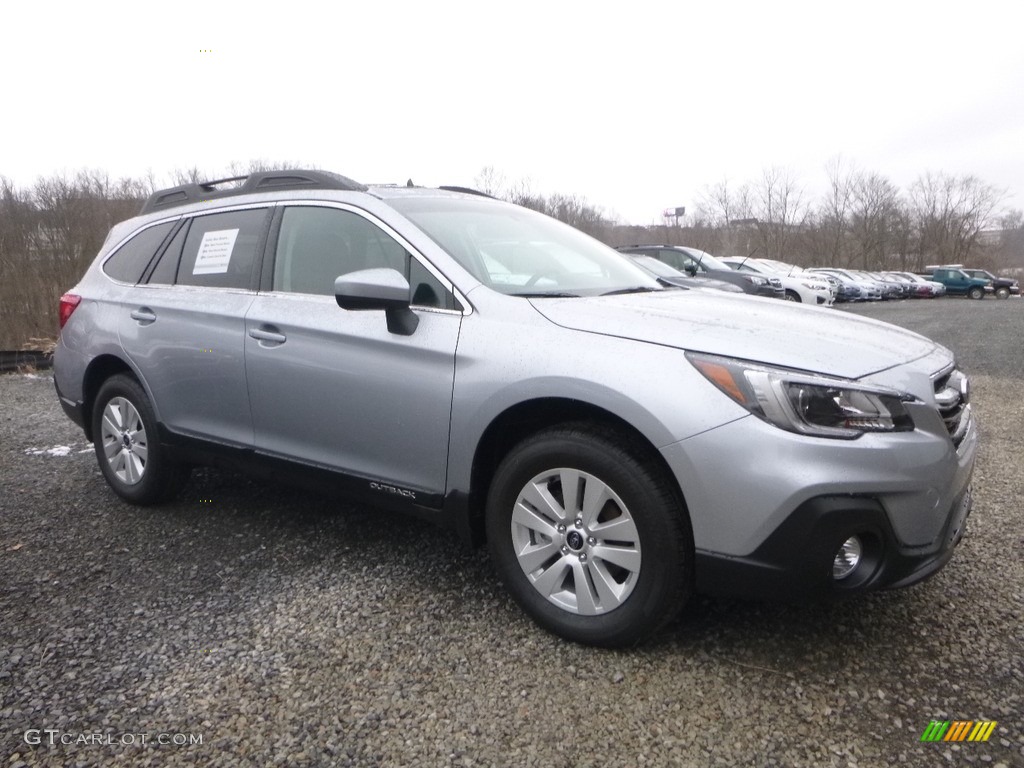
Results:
<point x="959" y="730"/>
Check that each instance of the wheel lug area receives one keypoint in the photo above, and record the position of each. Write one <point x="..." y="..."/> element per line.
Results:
<point x="579" y="522"/>
<point x="561" y="527"/>
<point x="565" y="549"/>
<point x="583" y="557"/>
<point x="591" y="540"/>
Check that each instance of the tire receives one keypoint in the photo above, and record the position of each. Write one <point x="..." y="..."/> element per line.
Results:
<point x="976" y="293"/>
<point x="793" y="296"/>
<point x="1002" y="292"/>
<point x="130" y="456"/>
<point x="581" y="587"/>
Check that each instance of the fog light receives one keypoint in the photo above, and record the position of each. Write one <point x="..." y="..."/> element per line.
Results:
<point x="847" y="558"/>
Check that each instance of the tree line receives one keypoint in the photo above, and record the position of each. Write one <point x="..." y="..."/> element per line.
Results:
<point x="863" y="221"/>
<point x="51" y="231"/>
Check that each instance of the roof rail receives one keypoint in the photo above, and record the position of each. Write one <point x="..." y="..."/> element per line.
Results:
<point x="261" y="181"/>
<point x="466" y="191"/>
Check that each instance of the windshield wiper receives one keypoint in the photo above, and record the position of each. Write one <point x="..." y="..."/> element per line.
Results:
<point x="545" y="295"/>
<point x="636" y="289"/>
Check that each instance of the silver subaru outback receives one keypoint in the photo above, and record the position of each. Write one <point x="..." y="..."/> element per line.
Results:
<point x="618" y="445"/>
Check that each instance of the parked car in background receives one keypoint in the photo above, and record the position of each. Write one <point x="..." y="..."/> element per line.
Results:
<point x="925" y="288"/>
<point x="804" y="288"/>
<point x="792" y="270"/>
<point x="959" y="283"/>
<point x="904" y="290"/>
<point x="700" y="263"/>
<point x="617" y="445"/>
<point x="888" y="290"/>
<point x="868" y="290"/>
<point x="843" y="292"/>
<point x="1002" y="287"/>
<point x="672" y="276"/>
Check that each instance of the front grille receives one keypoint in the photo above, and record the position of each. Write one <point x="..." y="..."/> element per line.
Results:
<point x="952" y="396"/>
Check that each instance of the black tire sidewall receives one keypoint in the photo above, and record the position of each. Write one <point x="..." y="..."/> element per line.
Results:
<point x="161" y="477"/>
<point x="665" y="578"/>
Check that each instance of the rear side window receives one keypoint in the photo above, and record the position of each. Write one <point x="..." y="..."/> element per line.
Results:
<point x="131" y="259"/>
<point x="220" y="249"/>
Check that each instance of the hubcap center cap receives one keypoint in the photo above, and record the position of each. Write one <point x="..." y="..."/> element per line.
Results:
<point x="126" y="440"/>
<point x="575" y="540"/>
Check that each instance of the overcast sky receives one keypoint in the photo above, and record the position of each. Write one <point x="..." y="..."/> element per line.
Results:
<point x="636" y="106"/>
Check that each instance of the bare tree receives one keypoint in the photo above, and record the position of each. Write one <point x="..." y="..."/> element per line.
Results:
<point x="725" y="210"/>
<point x="833" y="220"/>
<point x="873" y="212"/>
<point x="950" y="213"/>
<point x="779" y="210"/>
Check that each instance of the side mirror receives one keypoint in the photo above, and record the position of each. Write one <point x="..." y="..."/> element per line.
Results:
<point x="383" y="289"/>
<point x="691" y="270"/>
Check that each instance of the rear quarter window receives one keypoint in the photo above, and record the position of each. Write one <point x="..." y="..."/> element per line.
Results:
<point x="130" y="260"/>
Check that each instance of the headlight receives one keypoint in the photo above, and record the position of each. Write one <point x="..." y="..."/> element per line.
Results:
<point x="804" y="403"/>
<point x="756" y="280"/>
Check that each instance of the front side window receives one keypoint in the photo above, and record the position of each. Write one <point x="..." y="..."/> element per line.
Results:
<point x="677" y="260"/>
<point x="316" y="245"/>
<point x="220" y="249"/>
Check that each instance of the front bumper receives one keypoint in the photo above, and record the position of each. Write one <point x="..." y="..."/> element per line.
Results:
<point x="770" y="509"/>
<point x="795" y="562"/>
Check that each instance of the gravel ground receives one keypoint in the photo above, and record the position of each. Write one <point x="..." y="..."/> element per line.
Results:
<point x="282" y="629"/>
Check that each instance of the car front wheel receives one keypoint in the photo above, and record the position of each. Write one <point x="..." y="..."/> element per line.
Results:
<point x="589" y="536"/>
<point x="1002" y="292"/>
<point x="125" y="438"/>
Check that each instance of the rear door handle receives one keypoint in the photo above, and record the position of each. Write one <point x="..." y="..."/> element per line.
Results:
<point x="263" y="334"/>
<point x="144" y="315"/>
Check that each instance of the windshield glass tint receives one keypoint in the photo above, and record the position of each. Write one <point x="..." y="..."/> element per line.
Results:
<point x="520" y="252"/>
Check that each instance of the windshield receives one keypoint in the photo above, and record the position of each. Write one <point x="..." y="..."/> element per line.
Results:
<point x="520" y="252"/>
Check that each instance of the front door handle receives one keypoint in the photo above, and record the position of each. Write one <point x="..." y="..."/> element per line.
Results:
<point x="263" y="334"/>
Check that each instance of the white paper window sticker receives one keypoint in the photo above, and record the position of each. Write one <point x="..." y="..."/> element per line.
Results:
<point x="215" y="252"/>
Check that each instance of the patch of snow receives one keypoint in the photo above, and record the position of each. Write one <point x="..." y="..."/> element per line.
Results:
<point x="57" y="450"/>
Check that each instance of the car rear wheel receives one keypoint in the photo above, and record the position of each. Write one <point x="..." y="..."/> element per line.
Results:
<point x="125" y="438"/>
<point x="976" y="293"/>
<point x="589" y="537"/>
<point x="1002" y="292"/>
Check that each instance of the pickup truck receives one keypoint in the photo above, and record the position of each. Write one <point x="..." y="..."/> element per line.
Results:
<point x="1002" y="286"/>
<point x="959" y="283"/>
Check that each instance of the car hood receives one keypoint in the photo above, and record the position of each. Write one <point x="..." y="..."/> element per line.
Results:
<point x="757" y="329"/>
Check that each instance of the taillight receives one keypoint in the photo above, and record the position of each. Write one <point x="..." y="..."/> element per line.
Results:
<point x="68" y="303"/>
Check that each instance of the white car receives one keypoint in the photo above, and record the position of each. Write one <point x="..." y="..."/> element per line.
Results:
<point x="799" y="285"/>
